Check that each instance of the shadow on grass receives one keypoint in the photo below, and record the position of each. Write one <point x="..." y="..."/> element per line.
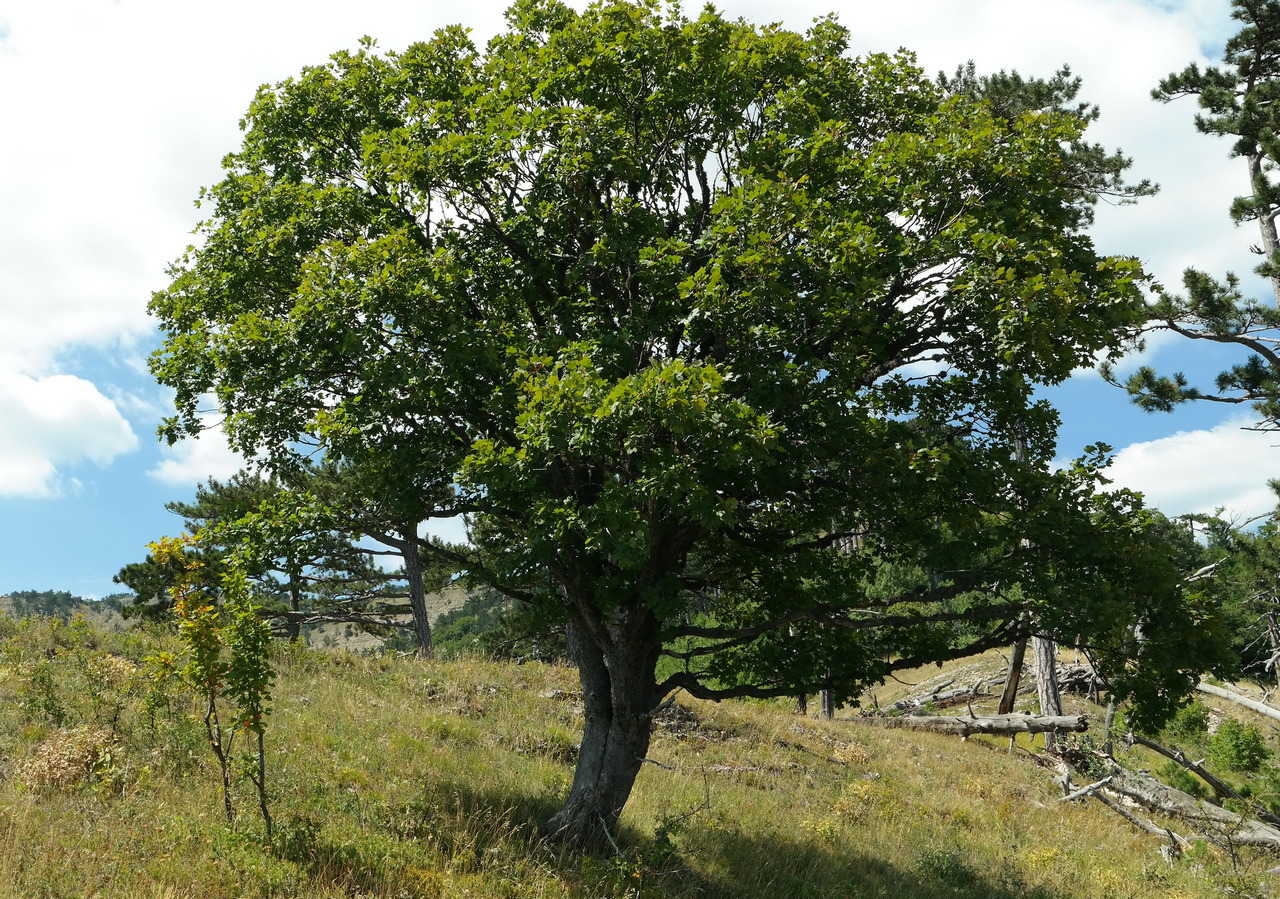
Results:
<point x="469" y="824"/>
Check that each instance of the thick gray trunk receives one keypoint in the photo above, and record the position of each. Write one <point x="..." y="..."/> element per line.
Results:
<point x="618" y="702"/>
<point x="1046" y="660"/>
<point x="417" y="592"/>
<point x="1107" y="723"/>
<point x="828" y="706"/>
<point x="1013" y="678"/>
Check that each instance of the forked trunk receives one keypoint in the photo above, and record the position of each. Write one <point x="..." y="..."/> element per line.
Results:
<point x="618" y="702"/>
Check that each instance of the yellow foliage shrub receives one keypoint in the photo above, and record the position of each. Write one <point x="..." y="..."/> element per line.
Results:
<point x="68" y="758"/>
<point x="854" y="754"/>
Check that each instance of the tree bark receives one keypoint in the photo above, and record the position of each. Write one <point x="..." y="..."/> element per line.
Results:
<point x="1107" y="722"/>
<point x="1010" y="694"/>
<point x="619" y="696"/>
<point x="417" y="592"/>
<point x="828" y="707"/>
<point x="963" y="725"/>
<point x="802" y="704"/>
<point x="1046" y="658"/>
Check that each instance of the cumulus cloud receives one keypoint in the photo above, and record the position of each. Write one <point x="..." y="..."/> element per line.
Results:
<point x="117" y="113"/>
<point x="196" y="459"/>
<point x="111" y="151"/>
<point x="1203" y="470"/>
<point x="51" y="422"/>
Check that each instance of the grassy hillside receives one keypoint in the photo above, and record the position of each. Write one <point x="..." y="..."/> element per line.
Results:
<point x="395" y="777"/>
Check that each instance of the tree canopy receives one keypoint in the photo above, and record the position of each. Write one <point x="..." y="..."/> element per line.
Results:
<point x="719" y="335"/>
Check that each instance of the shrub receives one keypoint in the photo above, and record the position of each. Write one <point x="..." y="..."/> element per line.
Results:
<point x="72" y="757"/>
<point x="39" y="692"/>
<point x="1237" y="746"/>
<point x="947" y="865"/>
<point x="1181" y="779"/>
<point x="1190" y="722"/>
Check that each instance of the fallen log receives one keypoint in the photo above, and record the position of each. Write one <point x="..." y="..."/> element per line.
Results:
<point x="1217" y="824"/>
<point x="1239" y="699"/>
<point x="1076" y="679"/>
<point x="1214" y="822"/>
<point x="915" y="702"/>
<point x="1220" y="788"/>
<point x="964" y="725"/>
<point x="1084" y="791"/>
<point x="938" y="700"/>
<point x="1177" y="841"/>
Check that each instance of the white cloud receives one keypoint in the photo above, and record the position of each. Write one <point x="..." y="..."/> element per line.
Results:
<point x="116" y="114"/>
<point x="107" y="153"/>
<point x="452" y="530"/>
<point x="144" y="409"/>
<point x="1200" y="471"/>
<point x="196" y="459"/>
<point x="50" y="422"/>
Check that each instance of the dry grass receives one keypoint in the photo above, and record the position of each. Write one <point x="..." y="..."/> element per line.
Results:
<point x="400" y="778"/>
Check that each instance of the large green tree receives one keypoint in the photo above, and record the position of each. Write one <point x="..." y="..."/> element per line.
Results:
<point x="719" y="335"/>
<point x="1239" y="101"/>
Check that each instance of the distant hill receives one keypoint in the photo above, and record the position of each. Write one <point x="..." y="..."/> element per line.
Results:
<point x="107" y="614"/>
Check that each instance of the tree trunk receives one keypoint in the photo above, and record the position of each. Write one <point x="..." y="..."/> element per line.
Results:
<point x="618" y="702"/>
<point x="1012" y="679"/>
<point x="828" y="707"/>
<point x="1218" y="824"/>
<point x="1107" y="723"/>
<point x="802" y="704"/>
<point x="1046" y="657"/>
<point x="417" y="592"/>
<point x="1266" y="224"/>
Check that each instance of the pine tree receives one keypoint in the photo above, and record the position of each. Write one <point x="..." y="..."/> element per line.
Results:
<point x="1238" y="100"/>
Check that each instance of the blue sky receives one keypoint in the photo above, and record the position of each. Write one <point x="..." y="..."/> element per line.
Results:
<point x="117" y="111"/>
